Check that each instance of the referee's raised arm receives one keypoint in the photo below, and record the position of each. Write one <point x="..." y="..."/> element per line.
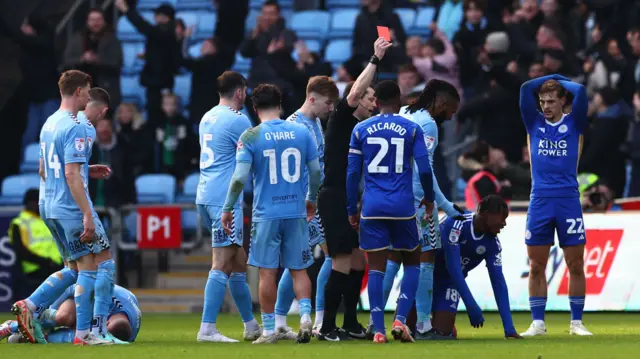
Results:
<point x="341" y="239"/>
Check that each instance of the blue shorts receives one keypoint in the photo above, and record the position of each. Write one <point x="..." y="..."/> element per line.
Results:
<point x="429" y="242"/>
<point x="316" y="231"/>
<point x="54" y="232"/>
<point x="280" y="243"/>
<point x="212" y="218"/>
<point x="394" y="234"/>
<point x="564" y="215"/>
<point x="445" y="297"/>
<point x="68" y="233"/>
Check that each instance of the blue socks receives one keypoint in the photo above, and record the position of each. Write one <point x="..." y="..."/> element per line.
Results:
<point x="305" y="310"/>
<point x="323" y="278"/>
<point x="286" y="295"/>
<point x="376" y="300"/>
<point x="408" y="290"/>
<point x="268" y="323"/>
<point x="103" y="296"/>
<point x="82" y="298"/>
<point x="538" y="306"/>
<point x="214" y="293"/>
<point x="577" y="306"/>
<point x="241" y="295"/>
<point x="424" y="295"/>
<point x="51" y="289"/>
<point x="389" y="276"/>
<point x="48" y="318"/>
<point x="63" y="335"/>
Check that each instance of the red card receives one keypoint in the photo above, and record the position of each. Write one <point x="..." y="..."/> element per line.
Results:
<point x="384" y="32"/>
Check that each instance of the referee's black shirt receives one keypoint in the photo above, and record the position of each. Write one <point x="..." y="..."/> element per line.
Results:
<point x="336" y="139"/>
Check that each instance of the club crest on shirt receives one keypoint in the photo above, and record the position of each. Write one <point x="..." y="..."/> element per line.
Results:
<point x="240" y="145"/>
<point x="453" y="236"/>
<point x="80" y="144"/>
<point x="430" y="141"/>
<point x="562" y="128"/>
<point x="481" y="250"/>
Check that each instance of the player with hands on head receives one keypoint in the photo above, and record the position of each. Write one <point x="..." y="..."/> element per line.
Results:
<point x="466" y="243"/>
<point x="384" y="147"/>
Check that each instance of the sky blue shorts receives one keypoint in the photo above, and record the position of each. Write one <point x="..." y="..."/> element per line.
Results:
<point x="280" y="243"/>
<point x="427" y="241"/>
<point x="212" y="218"/>
<point x="68" y="233"/>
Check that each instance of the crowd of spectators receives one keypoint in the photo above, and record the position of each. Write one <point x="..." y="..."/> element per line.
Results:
<point x="486" y="48"/>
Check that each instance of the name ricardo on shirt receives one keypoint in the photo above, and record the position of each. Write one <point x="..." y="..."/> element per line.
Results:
<point x="278" y="136"/>
<point x="552" y="148"/>
<point x="386" y="126"/>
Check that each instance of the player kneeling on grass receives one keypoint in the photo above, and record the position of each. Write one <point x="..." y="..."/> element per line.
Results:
<point x="465" y="244"/>
<point x="59" y="320"/>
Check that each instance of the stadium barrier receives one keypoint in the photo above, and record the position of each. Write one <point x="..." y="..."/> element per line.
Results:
<point x="611" y="253"/>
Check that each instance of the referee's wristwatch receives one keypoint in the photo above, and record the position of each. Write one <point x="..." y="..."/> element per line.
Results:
<point x="374" y="60"/>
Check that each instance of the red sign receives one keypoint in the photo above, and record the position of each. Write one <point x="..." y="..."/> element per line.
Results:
<point x="159" y="228"/>
<point x="599" y="253"/>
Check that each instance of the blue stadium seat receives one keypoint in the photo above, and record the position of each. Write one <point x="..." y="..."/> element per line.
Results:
<point x="132" y="64"/>
<point x="342" y="3"/>
<point x="241" y="64"/>
<point x="251" y="20"/>
<point x="190" y="18"/>
<point x="126" y="31"/>
<point x="194" y="5"/>
<point x="337" y="52"/>
<point x="310" y="24"/>
<point x="342" y="23"/>
<point x="312" y="45"/>
<point x="31" y="158"/>
<point x="182" y="88"/>
<point x="257" y="4"/>
<point x="206" y="25"/>
<point x="132" y="91"/>
<point x="423" y="20"/>
<point x="14" y="188"/>
<point x="188" y="194"/>
<point x="194" y="50"/>
<point x="407" y="17"/>
<point x="156" y="188"/>
<point x="152" y="4"/>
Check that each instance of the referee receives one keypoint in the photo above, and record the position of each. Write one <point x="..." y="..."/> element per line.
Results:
<point x="348" y="263"/>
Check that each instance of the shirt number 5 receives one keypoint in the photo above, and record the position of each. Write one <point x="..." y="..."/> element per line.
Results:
<point x="206" y="151"/>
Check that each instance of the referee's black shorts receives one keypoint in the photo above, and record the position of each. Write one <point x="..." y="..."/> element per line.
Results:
<point x="340" y="237"/>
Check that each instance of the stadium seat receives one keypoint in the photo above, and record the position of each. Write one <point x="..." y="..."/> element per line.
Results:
<point x="182" y="88"/>
<point x="342" y="23"/>
<point x="251" y="20"/>
<point x="194" y="50"/>
<point x="31" y="158"/>
<point x="241" y="64"/>
<point x="126" y="31"/>
<point x="310" y="24"/>
<point x="206" y="25"/>
<point x="194" y="5"/>
<point x="342" y="3"/>
<point x="407" y="17"/>
<point x="156" y="188"/>
<point x="132" y="91"/>
<point x="312" y="45"/>
<point x="14" y="188"/>
<point x="337" y="52"/>
<point x="423" y="20"/>
<point x="152" y="4"/>
<point x="190" y="18"/>
<point x="130" y="51"/>
<point x="257" y="4"/>
<point x="190" y="189"/>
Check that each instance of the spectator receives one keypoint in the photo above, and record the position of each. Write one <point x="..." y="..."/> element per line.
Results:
<point x="130" y="126"/>
<point x="605" y="67"/>
<point x="183" y="35"/>
<point x="634" y="149"/>
<point x="206" y="68"/>
<point x="298" y="73"/>
<point x="114" y="150"/>
<point x="348" y="72"/>
<point x="468" y="43"/>
<point x="603" y="145"/>
<point x="270" y="28"/>
<point x="413" y="47"/>
<point x="97" y="52"/>
<point x="479" y="168"/>
<point x="450" y="15"/>
<point x="408" y="79"/>
<point x="177" y="142"/>
<point x="162" y="54"/>
<point x="376" y="13"/>
<point x="439" y="60"/>
<point x="39" y="75"/>
<point x="630" y="81"/>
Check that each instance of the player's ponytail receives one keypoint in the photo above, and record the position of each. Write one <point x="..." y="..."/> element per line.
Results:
<point x="431" y="91"/>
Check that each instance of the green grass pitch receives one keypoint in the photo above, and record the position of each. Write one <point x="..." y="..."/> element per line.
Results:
<point x="616" y="335"/>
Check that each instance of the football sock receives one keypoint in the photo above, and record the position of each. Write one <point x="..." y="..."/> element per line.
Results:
<point x="352" y="298"/>
<point x="408" y="290"/>
<point x="286" y="295"/>
<point x="268" y="324"/>
<point x="424" y="295"/>
<point x="50" y="290"/>
<point x="375" y="299"/>
<point x="389" y="276"/>
<point x="305" y="310"/>
<point x="103" y="296"/>
<point x="332" y="297"/>
<point x="214" y="293"/>
<point x="241" y="295"/>
<point x="82" y="298"/>
<point x="538" y="306"/>
<point x="577" y="306"/>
